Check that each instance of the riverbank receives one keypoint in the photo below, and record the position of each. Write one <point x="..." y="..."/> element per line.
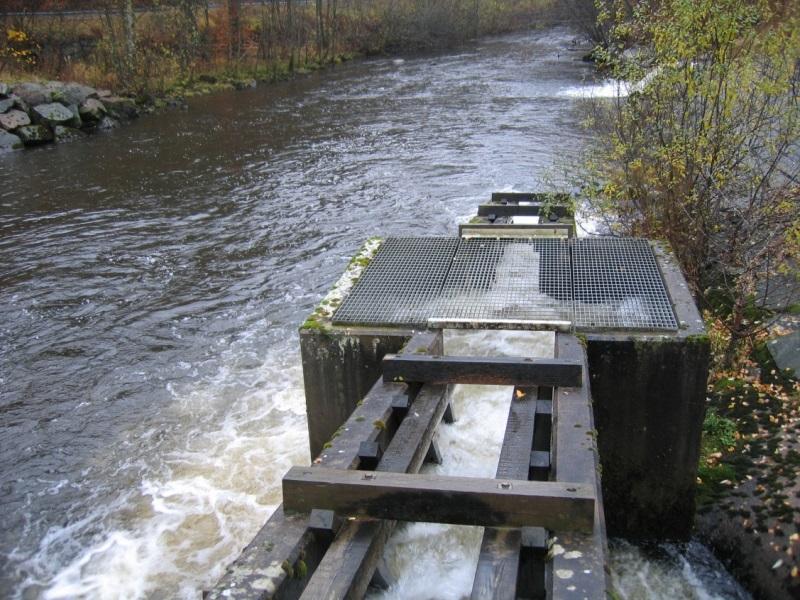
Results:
<point x="163" y="69"/>
<point x="748" y="484"/>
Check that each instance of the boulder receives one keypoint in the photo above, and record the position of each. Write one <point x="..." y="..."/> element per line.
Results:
<point x="66" y="134"/>
<point x="13" y="119"/>
<point x="19" y="103"/>
<point x="104" y="94"/>
<point x="53" y="114"/>
<point x="77" y="122"/>
<point x="107" y="123"/>
<point x="5" y="104"/>
<point x="4" y="89"/>
<point x="75" y="93"/>
<point x="33" y="93"/>
<point x="121" y="108"/>
<point x="33" y="135"/>
<point x="9" y="141"/>
<point x="243" y="84"/>
<point x="92" y="109"/>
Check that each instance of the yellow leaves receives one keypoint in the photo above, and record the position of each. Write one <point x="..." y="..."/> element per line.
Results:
<point x="16" y="36"/>
<point x="19" y="47"/>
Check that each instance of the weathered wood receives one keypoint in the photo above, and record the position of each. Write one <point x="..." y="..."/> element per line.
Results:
<point x="369" y="454"/>
<point x="346" y="568"/>
<point x="498" y="561"/>
<point x="521" y="210"/>
<point x="563" y="506"/>
<point x="505" y="324"/>
<point x="498" y="565"/>
<point x="482" y="370"/>
<point x="513" y="230"/>
<point x="579" y="558"/>
<point x="540" y="465"/>
<point x="285" y="538"/>
<point x="434" y="455"/>
<point x="505" y="197"/>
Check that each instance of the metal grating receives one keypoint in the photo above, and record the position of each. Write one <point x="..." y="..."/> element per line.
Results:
<point x="508" y="280"/>
<point x="591" y="283"/>
<point x="401" y="284"/>
<point x="617" y="285"/>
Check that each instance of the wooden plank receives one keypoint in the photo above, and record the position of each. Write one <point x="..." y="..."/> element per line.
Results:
<point x="286" y="539"/>
<point x="564" y="506"/>
<point x="346" y="569"/>
<point x="521" y="210"/>
<point x="498" y="561"/>
<point x="482" y="370"/>
<point x="577" y="569"/>
<point x="497" y="323"/>
<point x="492" y="230"/>
<point x="506" y="197"/>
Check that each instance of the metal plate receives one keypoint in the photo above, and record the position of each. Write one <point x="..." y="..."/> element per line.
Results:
<point x="401" y="284"/>
<point x="585" y="284"/>
<point x="617" y="285"/>
<point x="508" y="280"/>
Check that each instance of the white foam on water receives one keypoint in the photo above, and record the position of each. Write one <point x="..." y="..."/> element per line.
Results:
<point x="200" y="499"/>
<point x="438" y="561"/>
<point x="607" y="89"/>
<point x="669" y="571"/>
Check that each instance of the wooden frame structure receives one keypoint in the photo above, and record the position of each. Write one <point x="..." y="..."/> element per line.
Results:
<point x="547" y="477"/>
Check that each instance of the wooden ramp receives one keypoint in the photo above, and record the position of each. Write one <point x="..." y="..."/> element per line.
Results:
<point x="543" y="515"/>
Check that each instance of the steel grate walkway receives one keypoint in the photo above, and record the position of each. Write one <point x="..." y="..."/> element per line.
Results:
<point x="593" y="283"/>
<point x="507" y="280"/>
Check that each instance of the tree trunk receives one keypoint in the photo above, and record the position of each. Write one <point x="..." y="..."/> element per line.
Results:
<point x="320" y="32"/>
<point x="129" y="33"/>
<point x="234" y="42"/>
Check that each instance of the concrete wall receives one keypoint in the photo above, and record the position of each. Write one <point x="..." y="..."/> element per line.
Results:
<point x="339" y="368"/>
<point x="649" y="393"/>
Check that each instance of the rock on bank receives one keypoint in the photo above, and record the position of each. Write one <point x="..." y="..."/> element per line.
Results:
<point x="32" y="114"/>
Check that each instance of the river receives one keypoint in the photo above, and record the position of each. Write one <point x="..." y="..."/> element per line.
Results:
<point x="152" y="280"/>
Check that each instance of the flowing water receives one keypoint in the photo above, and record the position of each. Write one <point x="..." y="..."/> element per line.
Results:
<point x="152" y="280"/>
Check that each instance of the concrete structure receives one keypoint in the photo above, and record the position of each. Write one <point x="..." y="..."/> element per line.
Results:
<point x="648" y="390"/>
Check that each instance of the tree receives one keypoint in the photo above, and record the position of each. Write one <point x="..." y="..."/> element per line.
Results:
<point x="705" y="150"/>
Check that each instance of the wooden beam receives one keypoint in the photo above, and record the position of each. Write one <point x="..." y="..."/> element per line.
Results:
<point x="346" y="568"/>
<point x="578" y="565"/>
<point x="482" y="370"/>
<point x="441" y="499"/>
<point x="288" y="538"/>
<point x="498" y="561"/>
<point x="521" y="210"/>
<point x="506" y="197"/>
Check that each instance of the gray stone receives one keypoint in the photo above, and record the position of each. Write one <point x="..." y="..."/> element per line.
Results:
<point x="33" y="93"/>
<point x="121" y="108"/>
<point x="242" y="84"/>
<point x="4" y="89"/>
<point x="107" y="123"/>
<point x="104" y="94"/>
<point x="9" y="141"/>
<point x="13" y="119"/>
<point x="92" y="109"/>
<point x="75" y="93"/>
<point x="66" y="134"/>
<point x="20" y="103"/>
<point x="5" y="104"/>
<point x="33" y="135"/>
<point x="53" y="114"/>
<point x="785" y="351"/>
<point x="77" y="122"/>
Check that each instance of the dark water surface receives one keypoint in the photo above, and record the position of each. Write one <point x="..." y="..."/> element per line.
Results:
<point x="152" y="280"/>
